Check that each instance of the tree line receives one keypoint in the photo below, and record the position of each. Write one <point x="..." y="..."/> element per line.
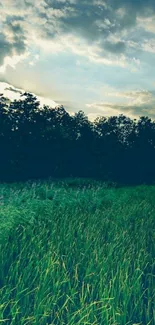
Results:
<point x="40" y="142"/>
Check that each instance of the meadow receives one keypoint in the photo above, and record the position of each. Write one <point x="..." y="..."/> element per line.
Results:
<point x="76" y="252"/>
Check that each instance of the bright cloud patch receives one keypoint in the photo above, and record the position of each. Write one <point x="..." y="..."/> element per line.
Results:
<point x="14" y="93"/>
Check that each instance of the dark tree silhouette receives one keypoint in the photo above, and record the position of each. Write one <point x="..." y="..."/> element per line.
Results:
<point x="38" y="142"/>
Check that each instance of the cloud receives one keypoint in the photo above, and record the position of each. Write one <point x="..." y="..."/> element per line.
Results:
<point x="133" y="111"/>
<point x="114" y="47"/>
<point x="147" y="23"/>
<point x="12" y="61"/>
<point x="135" y="96"/>
<point x="99" y="30"/>
<point x="10" y="91"/>
<point x="105" y="109"/>
<point x="5" y="48"/>
<point x="13" y="46"/>
<point x="15" y="90"/>
<point x="13" y="93"/>
<point x="132" y="103"/>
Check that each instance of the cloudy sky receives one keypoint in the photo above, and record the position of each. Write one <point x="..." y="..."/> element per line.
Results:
<point x="94" y="55"/>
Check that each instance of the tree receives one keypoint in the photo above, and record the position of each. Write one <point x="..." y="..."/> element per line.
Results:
<point x="40" y="141"/>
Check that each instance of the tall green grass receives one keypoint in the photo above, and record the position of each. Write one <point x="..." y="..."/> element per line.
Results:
<point x="75" y="252"/>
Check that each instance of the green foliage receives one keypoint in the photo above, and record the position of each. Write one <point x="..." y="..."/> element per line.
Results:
<point x="77" y="252"/>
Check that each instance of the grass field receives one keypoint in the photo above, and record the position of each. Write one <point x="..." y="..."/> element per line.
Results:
<point x="76" y="252"/>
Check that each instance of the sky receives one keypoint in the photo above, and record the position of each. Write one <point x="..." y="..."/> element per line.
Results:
<point x="92" y="55"/>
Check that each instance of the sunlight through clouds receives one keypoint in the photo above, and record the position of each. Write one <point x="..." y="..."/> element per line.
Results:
<point x="66" y="42"/>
